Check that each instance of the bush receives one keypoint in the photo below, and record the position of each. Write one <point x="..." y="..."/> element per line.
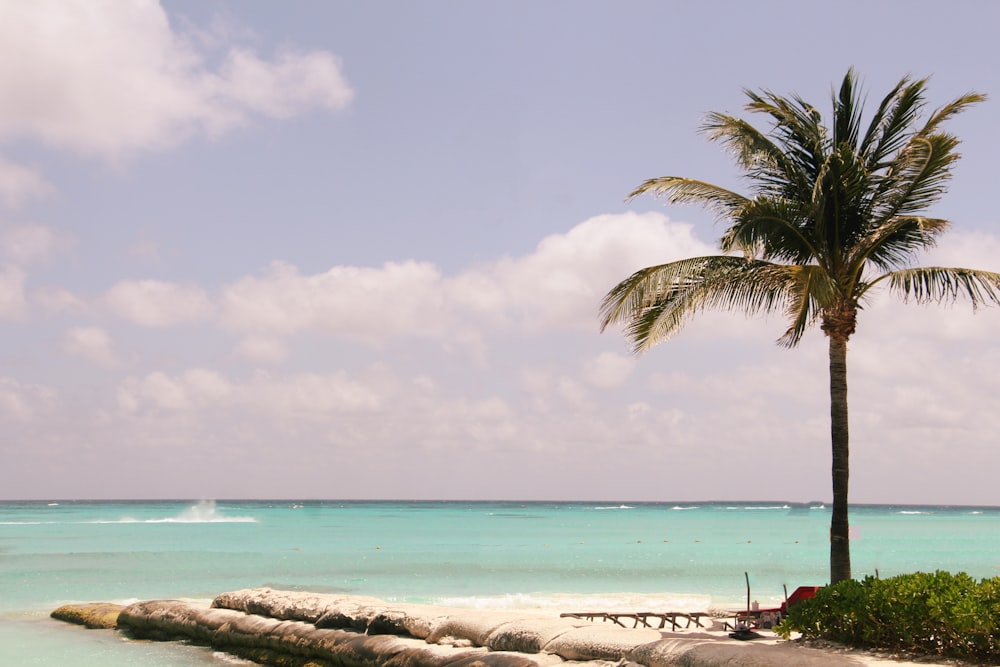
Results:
<point x="944" y="614"/>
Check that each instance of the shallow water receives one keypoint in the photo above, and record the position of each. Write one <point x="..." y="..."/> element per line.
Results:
<point x="563" y="556"/>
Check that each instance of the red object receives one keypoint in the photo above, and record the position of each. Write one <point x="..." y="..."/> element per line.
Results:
<point x="798" y="595"/>
<point x="753" y="616"/>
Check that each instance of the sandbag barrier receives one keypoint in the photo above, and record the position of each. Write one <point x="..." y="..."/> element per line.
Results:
<point x="296" y="629"/>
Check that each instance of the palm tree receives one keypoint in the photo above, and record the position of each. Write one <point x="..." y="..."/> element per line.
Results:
<point x="834" y="213"/>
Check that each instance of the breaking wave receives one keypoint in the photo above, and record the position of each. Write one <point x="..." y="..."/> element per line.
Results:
<point x="204" y="511"/>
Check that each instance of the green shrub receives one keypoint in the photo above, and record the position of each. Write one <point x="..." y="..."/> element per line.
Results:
<point x="950" y="615"/>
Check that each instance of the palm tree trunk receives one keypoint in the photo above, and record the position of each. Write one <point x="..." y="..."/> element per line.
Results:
<point x="840" y="548"/>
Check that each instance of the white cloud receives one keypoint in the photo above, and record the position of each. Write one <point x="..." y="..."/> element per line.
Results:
<point x="311" y="395"/>
<point x="557" y="287"/>
<point x="20" y="402"/>
<point x="26" y="243"/>
<point x="571" y="391"/>
<point x="109" y="78"/>
<point x="294" y="81"/>
<point x="362" y="303"/>
<point x="156" y="390"/>
<point x="608" y="370"/>
<point x="207" y="387"/>
<point x="294" y="396"/>
<point x="91" y="343"/>
<point x="57" y="301"/>
<point x="973" y="250"/>
<point x="262" y="350"/>
<point x="153" y="303"/>
<point x="13" y="404"/>
<point x="146" y="249"/>
<point x="19" y="184"/>
<point x="561" y="284"/>
<point x="692" y="405"/>
<point x="12" y="301"/>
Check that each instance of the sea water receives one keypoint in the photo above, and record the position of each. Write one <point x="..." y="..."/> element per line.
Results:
<point x="580" y="556"/>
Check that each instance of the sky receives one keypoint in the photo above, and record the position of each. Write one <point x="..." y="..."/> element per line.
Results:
<point x="346" y="250"/>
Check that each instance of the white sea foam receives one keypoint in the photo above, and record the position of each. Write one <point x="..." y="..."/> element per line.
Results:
<point x="26" y="523"/>
<point x="912" y="512"/>
<point x="203" y="512"/>
<point x="761" y="507"/>
<point x="680" y="509"/>
<point x="228" y="659"/>
<point x="615" y="507"/>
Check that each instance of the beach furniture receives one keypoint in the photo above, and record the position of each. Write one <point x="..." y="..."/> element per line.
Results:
<point x="755" y="617"/>
<point x="643" y="619"/>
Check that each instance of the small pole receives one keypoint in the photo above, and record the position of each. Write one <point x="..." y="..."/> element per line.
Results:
<point x="747" y="576"/>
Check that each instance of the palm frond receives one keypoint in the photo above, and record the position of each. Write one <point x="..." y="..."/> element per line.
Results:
<point x="950" y="110"/>
<point x="655" y="302"/>
<point x="892" y="124"/>
<point x="846" y="113"/>
<point x="896" y="243"/>
<point x="677" y="190"/>
<point x="899" y="144"/>
<point x="811" y="288"/>
<point x="653" y="284"/>
<point x="766" y="163"/>
<point x="918" y="178"/>
<point x="771" y="229"/>
<point x="945" y="285"/>
<point x="797" y="127"/>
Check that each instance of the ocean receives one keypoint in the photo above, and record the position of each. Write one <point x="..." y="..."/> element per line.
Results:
<point x="578" y="556"/>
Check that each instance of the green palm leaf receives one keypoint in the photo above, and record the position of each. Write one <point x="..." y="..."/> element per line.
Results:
<point x="656" y="301"/>
<point x="678" y="190"/>
<point x="944" y="285"/>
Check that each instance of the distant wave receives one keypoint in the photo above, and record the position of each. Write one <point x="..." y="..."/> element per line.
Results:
<point x="221" y="519"/>
<point x="203" y="512"/>
<point x="680" y="509"/>
<point x="615" y="507"/>
<point x="761" y="507"/>
<point x="913" y="512"/>
<point x="25" y="523"/>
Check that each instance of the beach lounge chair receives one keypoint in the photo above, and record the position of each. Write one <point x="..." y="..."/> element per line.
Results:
<point x="768" y="618"/>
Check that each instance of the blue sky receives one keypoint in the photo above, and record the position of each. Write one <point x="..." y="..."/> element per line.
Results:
<point x="356" y="250"/>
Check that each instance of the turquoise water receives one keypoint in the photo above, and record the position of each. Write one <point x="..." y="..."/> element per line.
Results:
<point x="562" y="556"/>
